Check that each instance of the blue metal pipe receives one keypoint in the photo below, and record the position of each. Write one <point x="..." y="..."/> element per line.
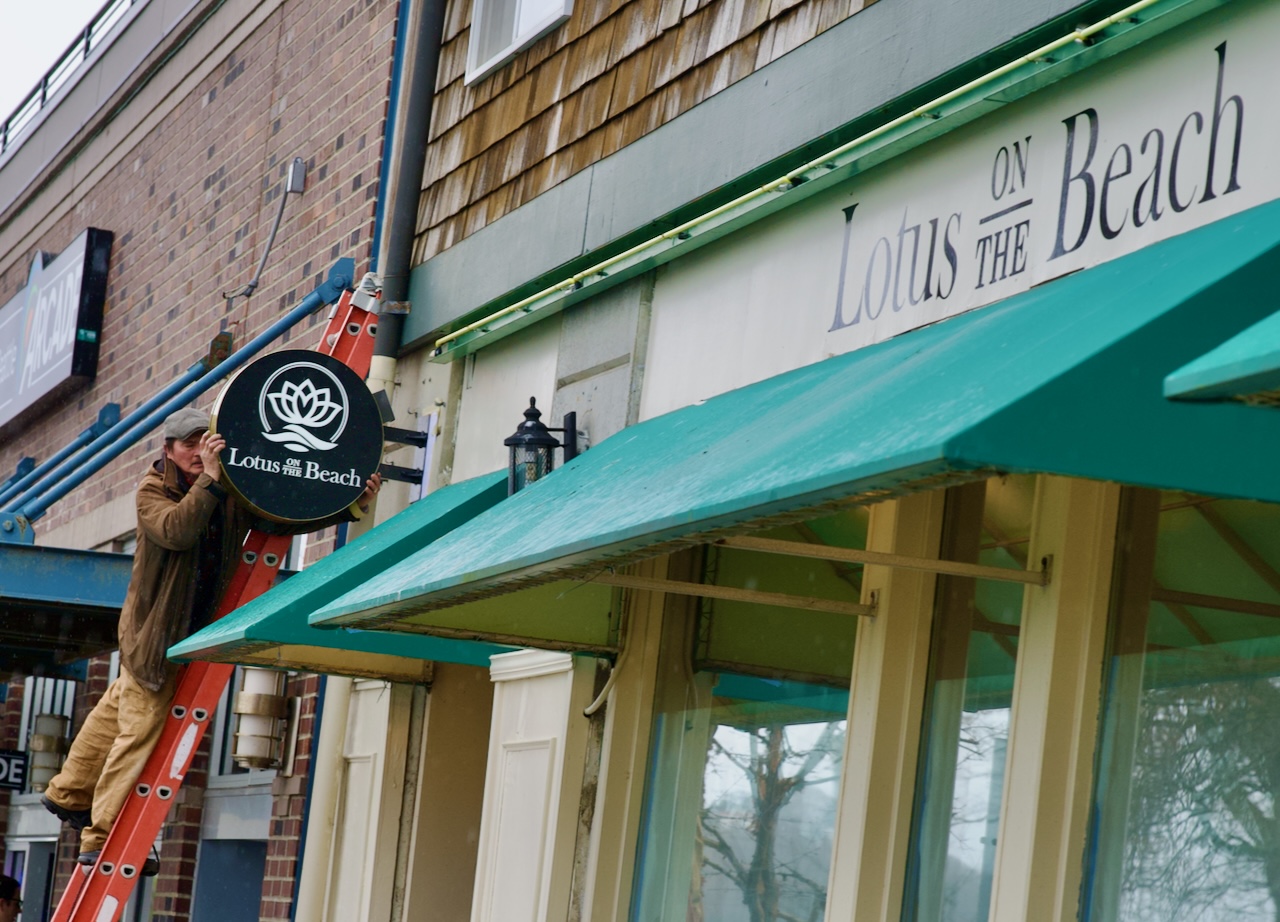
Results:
<point x="108" y="417"/>
<point x="340" y="277"/>
<point x="25" y="467"/>
<point x="15" y="500"/>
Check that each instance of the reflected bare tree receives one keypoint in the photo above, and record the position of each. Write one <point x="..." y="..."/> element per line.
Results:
<point x="778" y="868"/>
<point x="1203" y="836"/>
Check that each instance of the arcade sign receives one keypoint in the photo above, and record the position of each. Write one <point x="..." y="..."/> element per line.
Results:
<point x="303" y="435"/>
<point x="49" y="330"/>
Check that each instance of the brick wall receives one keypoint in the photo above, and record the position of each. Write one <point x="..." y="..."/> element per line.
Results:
<point x="191" y="206"/>
<point x="288" y="809"/>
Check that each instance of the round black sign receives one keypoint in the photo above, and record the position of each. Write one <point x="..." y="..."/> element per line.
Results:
<point x="303" y="435"/>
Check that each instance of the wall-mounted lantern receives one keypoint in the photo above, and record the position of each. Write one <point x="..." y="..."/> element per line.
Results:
<point x="532" y="448"/>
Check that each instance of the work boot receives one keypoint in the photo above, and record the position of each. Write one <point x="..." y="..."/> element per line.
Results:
<point x="76" y="819"/>
<point x="150" y="867"/>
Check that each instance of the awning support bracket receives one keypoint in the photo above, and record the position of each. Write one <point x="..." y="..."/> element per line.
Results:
<point x="733" y="594"/>
<point x="851" y="555"/>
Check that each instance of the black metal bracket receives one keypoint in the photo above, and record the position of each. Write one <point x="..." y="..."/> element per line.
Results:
<point x="398" y="472"/>
<point x="384" y="406"/>
<point x="404" y="436"/>
<point x="570" y="430"/>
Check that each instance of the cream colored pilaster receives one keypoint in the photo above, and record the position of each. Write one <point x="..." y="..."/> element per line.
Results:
<point x="891" y="660"/>
<point x="628" y="727"/>
<point x="1048" y="780"/>
<point x="533" y="777"/>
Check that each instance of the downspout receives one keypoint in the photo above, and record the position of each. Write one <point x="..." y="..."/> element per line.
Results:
<point x="400" y="187"/>
<point x="419" y="31"/>
<point x="399" y="191"/>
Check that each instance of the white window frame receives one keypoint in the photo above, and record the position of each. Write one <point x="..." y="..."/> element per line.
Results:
<point x="541" y="16"/>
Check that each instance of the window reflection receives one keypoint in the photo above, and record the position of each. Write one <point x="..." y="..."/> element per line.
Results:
<point x="974" y="648"/>
<point x="1189" y="761"/>
<point x="749" y="637"/>
<point x="742" y="803"/>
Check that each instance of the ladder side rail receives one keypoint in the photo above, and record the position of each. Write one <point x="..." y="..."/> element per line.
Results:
<point x="100" y="894"/>
<point x="200" y="686"/>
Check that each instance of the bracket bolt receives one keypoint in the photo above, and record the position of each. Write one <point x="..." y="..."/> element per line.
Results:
<point x="8" y="524"/>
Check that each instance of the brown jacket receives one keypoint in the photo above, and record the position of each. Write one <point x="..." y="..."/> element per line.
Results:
<point x="158" y="605"/>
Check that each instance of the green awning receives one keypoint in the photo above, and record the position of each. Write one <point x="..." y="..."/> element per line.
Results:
<point x="1065" y="378"/>
<point x="1246" y="367"/>
<point x="272" y="630"/>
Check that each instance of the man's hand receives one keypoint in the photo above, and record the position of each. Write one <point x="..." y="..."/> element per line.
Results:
<point x="371" y="488"/>
<point x="211" y="445"/>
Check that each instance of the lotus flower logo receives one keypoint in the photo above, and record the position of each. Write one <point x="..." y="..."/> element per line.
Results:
<point x="299" y="414"/>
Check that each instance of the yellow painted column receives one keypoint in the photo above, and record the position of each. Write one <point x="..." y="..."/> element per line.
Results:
<point x="891" y="660"/>
<point x="1053" y="731"/>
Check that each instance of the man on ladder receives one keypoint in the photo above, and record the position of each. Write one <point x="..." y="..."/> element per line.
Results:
<point x="190" y="532"/>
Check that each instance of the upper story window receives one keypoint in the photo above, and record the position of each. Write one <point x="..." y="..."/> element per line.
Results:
<point x="500" y="28"/>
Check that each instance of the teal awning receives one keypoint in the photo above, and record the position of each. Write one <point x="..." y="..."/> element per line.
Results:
<point x="1245" y="367"/>
<point x="1065" y="378"/>
<point x="272" y="630"/>
<point x="58" y="606"/>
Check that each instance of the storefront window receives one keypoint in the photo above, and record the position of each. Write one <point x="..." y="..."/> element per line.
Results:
<point x="768" y="640"/>
<point x="749" y="736"/>
<point x="1189" y="758"/>
<point x="742" y="803"/>
<point x="974" y="650"/>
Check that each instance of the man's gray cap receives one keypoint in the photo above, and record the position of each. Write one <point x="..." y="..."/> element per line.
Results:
<point x="183" y="423"/>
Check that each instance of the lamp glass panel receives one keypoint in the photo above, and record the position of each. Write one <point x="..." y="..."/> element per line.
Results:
<point x="529" y="463"/>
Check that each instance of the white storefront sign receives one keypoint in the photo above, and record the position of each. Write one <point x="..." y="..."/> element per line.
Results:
<point x="1169" y="136"/>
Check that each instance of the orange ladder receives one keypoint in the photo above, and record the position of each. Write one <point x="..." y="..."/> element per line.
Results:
<point x="98" y="894"/>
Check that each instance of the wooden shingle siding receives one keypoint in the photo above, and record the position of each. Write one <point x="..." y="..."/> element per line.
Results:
<point x="617" y="70"/>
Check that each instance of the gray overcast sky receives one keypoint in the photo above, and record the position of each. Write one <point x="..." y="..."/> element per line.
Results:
<point x="37" y="34"/>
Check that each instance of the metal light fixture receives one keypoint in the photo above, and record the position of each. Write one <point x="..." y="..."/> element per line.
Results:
<point x="532" y="448"/>
<point x="264" y="720"/>
<point x="47" y="747"/>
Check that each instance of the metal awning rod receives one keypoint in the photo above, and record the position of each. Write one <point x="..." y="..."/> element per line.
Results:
<point x="115" y="442"/>
<point x="851" y="555"/>
<point x="107" y="417"/>
<point x="733" y="594"/>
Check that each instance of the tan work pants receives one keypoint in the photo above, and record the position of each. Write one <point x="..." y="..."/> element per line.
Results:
<point x="108" y="754"/>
